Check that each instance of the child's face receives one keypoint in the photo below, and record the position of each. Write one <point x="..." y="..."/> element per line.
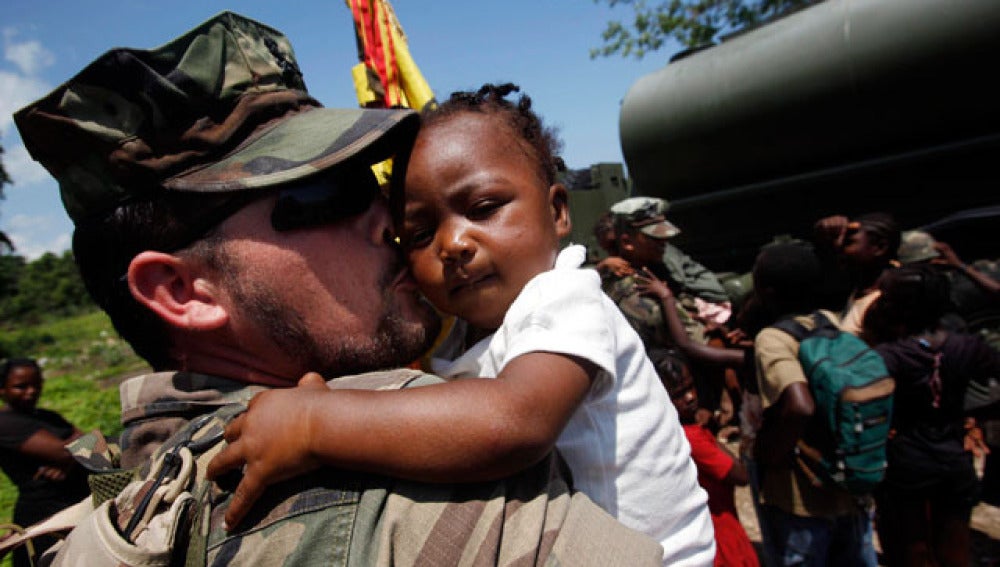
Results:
<point x="478" y="221"/>
<point x="685" y="398"/>
<point x="24" y="386"/>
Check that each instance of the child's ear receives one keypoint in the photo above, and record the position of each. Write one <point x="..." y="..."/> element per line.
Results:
<point x="170" y="287"/>
<point x="559" y="201"/>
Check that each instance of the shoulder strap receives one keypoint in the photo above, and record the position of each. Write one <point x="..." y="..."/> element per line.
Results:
<point x="797" y="330"/>
<point x="823" y="324"/>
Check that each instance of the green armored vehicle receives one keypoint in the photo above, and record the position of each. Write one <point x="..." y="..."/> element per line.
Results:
<point x="847" y="106"/>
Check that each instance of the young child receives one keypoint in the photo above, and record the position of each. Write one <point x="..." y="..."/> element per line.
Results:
<point x="480" y="221"/>
<point x="718" y="470"/>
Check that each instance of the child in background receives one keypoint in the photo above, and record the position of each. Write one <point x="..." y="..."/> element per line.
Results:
<point x="719" y="472"/>
<point x="480" y="218"/>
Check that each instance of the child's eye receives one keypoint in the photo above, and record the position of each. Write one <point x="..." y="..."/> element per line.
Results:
<point x="483" y="209"/>
<point x="417" y="237"/>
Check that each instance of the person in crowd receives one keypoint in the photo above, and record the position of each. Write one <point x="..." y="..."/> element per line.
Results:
<point x="930" y="488"/>
<point x="233" y="230"/>
<point x="864" y="247"/>
<point x="719" y="471"/>
<point x="918" y="247"/>
<point x="690" y="276"/>
<point x="806" y="524"/>
<point x="975" y="294"/>
<point x="733" y="358"/>
<point x="641" y="239"/>
<point x="988" y="284"/>
<point x="480" y="217"/>
<point x="33" y="453"/>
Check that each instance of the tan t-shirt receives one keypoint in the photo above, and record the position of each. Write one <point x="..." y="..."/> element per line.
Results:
<point x="787" y="487"/>
<point x="854" y="312"/>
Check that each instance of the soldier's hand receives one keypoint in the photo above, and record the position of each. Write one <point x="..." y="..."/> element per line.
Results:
<point x="271" y="441"/>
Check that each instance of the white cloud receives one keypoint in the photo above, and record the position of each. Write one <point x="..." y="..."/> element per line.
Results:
<point x="17" y="91"/>
<point x="22" y="169"/>
<point x="33" y="235"/>
<point x="30" y="56"/>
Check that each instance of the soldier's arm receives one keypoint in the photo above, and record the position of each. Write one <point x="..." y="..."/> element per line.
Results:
<point x="462" y="431"/>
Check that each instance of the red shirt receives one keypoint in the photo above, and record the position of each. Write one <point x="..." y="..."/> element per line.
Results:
<point x="733" y="547"/>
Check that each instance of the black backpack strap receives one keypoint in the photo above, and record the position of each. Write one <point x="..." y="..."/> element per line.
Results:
<point x="824" y="326"/>
<point x="797" y="330"/>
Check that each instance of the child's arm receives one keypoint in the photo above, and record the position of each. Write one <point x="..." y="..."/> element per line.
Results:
<point x="654" y="287"/>
<point x="465" y="430"/>
<point x="715" y="461"/>
<point x="737" y="475"/>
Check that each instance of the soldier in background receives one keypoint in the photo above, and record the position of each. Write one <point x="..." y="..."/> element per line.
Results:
<point x="234" y="232"/>
<point x="641" y="253"/>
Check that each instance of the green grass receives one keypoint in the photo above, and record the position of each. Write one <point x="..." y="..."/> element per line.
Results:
<point x="83" y="361"/>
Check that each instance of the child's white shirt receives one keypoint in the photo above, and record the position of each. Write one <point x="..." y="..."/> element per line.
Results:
<point x="624" y="444"/>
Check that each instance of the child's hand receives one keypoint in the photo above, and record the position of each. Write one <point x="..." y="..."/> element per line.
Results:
<point x="271" y="441"/>
<point x="617" y="266"/>
<point x="649" y="284"/>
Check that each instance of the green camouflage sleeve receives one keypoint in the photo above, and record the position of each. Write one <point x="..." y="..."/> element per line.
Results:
<point x="646" y="314"/>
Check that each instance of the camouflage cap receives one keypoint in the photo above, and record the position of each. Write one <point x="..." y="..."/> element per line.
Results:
<point x="916" y="246"/>
<point x="221" y="108"/>
<point x="646" y="214"/>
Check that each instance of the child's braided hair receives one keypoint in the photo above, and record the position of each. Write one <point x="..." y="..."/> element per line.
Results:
<point x="539" y="140"/>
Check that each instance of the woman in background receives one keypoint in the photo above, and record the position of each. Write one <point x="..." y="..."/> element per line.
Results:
<point x="33" y="453"/>
<point x="925" y="502"/>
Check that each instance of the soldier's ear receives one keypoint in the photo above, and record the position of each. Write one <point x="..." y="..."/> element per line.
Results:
<point x="170" y="286"/>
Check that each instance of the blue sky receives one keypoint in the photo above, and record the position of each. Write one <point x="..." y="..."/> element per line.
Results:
<point x="542" y="45"/>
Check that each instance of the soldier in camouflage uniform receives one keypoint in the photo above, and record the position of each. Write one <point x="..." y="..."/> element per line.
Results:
<point x="641" y="233"/>
<point x="641" y="238"/>
<point x="233" y="230"/>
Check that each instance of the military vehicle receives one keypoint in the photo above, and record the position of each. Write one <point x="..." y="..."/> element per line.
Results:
<point x="846" y="106"/>
<point x="592" y="192"/>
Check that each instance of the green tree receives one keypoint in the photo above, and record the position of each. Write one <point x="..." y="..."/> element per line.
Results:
<point x="46" y="288"/>
<point x="691" y="23"/>
<point x="5" y="242"/>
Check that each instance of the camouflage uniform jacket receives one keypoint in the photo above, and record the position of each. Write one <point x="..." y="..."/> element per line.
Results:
<point x="695" y="278"/>
<point x="645" y="314"/>
<point x="344" y="518"/>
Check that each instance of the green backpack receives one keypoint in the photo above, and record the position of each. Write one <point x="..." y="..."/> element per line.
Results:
<point x="852" y="390"/>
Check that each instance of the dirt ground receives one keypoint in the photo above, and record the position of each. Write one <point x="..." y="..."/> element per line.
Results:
<point x="985" y="525"/>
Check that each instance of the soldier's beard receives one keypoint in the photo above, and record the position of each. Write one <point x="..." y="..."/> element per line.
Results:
<point x="396" y="341"/>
